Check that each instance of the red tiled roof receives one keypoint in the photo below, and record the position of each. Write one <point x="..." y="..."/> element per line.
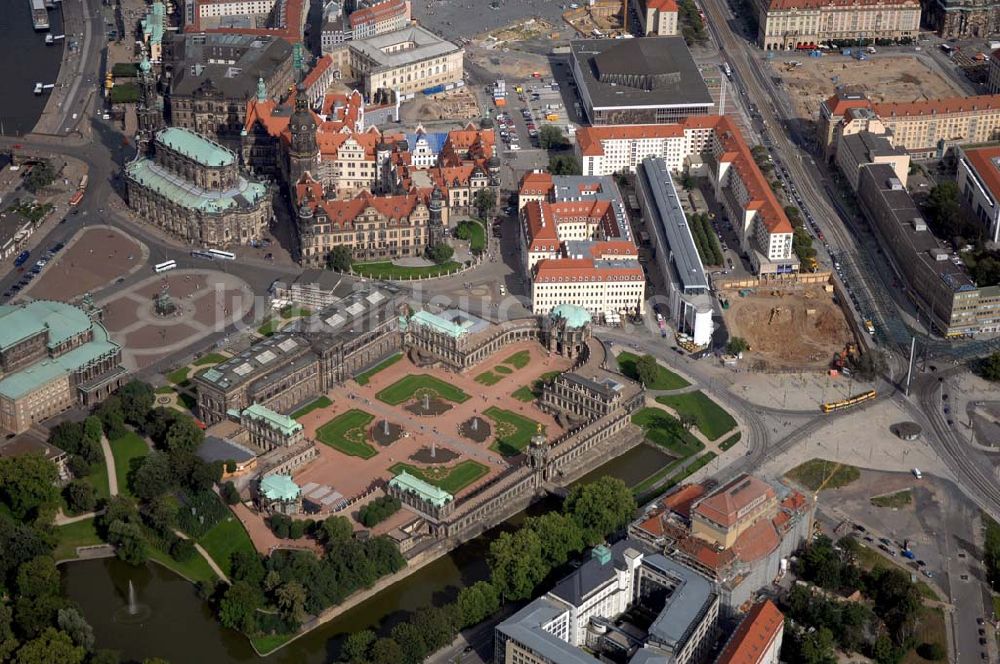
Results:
<point x="322" y="65"/>
<point x="379" y="12"/>
<point x="723" y="505"/>
<point x="589" y="138"/>
<point x="583" y="269"/>
<point x="662" y="5"/>
<point x="680" y="501"/>
<point x="343" y="213"/>
<point x="838" y="104"/>
<point x="754" y="636"/>
<point x="938" y="106"/>
<point x="536" y="184"/>
<point x="756" y="541"/>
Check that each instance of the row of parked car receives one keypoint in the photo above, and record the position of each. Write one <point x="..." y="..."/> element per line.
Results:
<point x="28" y="274"/>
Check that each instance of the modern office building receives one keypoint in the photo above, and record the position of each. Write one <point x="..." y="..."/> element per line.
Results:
<point x="657" y="18"/>
<point x="586" y="611"/>
<point x="653" y="80"/>
<point x="713" y="147"/>
<point x="979" y="184"/>
<point x="862" y="148"/>
<point x="947" y="299"/>
<point x="192" y="188"/>
<point x="926" y="129"/>
<point x="406" y="61"/>
<point x="53" y="356"/>
<point x="757" y="639"/>
<point x="689" y="303"/>
<point x="805" y="24"/>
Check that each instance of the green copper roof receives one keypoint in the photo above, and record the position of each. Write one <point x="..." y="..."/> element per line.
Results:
<point x="199" y="148"/>
<point x="438" y="323"/>
<point x="283" y="423"/>
<point x="279" y="487"/>
<point x="429" y="492"/>
<point x="575" y="316"/>
<point x="27" y="380"/>
<point x="63" y="321"/>
<point x="152" y="25"/>
<point x="151" y="175"/>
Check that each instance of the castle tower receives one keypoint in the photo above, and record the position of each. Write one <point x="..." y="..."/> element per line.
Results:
<point x="435" y="225"/>
<point x="493" y="166"/>
<point x="538" y="454"/>
<point x="302" y="125"/>
<point x="148" y="112"/>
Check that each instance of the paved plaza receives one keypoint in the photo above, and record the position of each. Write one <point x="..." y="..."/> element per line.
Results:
<point x="206" y="301"/>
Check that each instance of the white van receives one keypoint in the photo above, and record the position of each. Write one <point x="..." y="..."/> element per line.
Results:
<point x="917" y="473"/>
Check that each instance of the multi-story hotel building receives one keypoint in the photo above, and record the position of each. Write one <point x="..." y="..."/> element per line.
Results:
<point x="657" y="18"/>
<point x="53" y="356"/>
<point x="791" y="24"/>
<point x="193" y="189"/>
<point x="927" y="129"/>
<point x="711" y="146"/>
<point x="584" y="610"/>
<point x="406" y="61"/>
<point x="577" y="247"/>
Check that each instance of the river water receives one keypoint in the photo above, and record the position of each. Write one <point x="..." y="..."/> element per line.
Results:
<point x="181" y="628"/>
<point x="25" y="60"/>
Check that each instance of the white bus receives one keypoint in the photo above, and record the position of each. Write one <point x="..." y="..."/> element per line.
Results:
<point x="224" y="255"/>
<point x="204" y="255"/>
<point x="164" y="266"/>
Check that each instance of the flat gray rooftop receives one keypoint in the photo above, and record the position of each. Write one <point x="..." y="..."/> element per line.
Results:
<point x="424" y="45"/>
<point x="647" y="72"/>
<point x="671" y="225"/>
<point x="684" y="607"/>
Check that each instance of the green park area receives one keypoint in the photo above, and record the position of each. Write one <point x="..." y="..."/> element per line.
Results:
<point x="447" y="478"/>
<point x="819" y="474"/>
<point x="665" y="430"/>
<point x="72" y="535"/>
<point x="531" y="392"/>
<point x="179" y="376"/>
<point x="474" y="232"/>
<point x="893" y="500"/>
<point x="348" y="433"/>
<point x="126" y="449"/>
<point x="195" y="568"/>
<point x="513" y="431"/>
<point x="663" y="378"/>
<point x="365" y="376"/>
<point x="224" y="539"/>
<point x="519" y="360"/>
<point x="416" y="385"/>
<point x="488" y="378"/>
<point x="390" y="271"/>
<point x="210" y="358"/>
<point x="98" y="478"/>
<point x="729" y="442"/>
<point x="321" y="402"/>
<point x="707" y="415"/>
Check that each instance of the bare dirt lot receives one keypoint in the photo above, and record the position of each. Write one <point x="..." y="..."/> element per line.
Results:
<point x="456" y="104"/>
<point x="511" y="64"/>
<point x="797" y="329"/>
<point x="885" y="78"/>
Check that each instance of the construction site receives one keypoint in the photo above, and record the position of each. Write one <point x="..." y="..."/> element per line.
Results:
<point x="809" y="80"/>
<point x="794" y="326"/>
<point x="602" y="18"/>
<point x="458" y="105"/>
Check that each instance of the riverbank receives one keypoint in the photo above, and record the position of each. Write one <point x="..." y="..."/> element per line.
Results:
<point x="24" y="61"/>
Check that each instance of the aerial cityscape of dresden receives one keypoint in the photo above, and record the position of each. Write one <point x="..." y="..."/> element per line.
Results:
<point x="500" y="331"/>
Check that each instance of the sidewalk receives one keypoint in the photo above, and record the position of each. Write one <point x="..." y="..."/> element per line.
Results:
<point x="109" y="461"/>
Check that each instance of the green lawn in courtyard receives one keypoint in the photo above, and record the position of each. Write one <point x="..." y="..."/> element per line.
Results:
<point x="477" y="235"/>
<point x="415" y="385"/>
<point x="447" y="478"/>
<point x="534" y="391"/>
<point x="365" y="376"/>
<point x="513" y="432"/>
<point x="209" y="358"/>
<point x="708" y="416"/>
<point x="386" y="270"/>
<point x="125" y="449"/>
<point x="524" y="394"/>
<point x="519" y="360"/>
<point x="665" y="378"/>
<point x="72" y="535"/>
<point x="321" y="402"/>
<point x="503" y="369"/>
<point x="348" y="433"/>
<point x="98" y="478"/>
<point x="225" y="538"/>
<point x="665" y="430"/>
<point x="488" y="378"/>
<point x="178" y="376"/>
